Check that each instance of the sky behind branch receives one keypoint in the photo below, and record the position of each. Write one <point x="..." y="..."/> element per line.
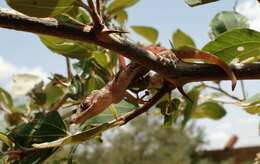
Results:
<point x="22" y="52"/>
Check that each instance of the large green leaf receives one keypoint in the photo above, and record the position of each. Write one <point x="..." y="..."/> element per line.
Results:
<point x="235" y="44"/>
<point x="210" y="110"/>
<point x="119" y="5"/>
<point x="66" y="47"/>
<point x="180" y="39"/>
<point x="44" y="128"/>
<point x="198" y="2"/>
<point x="41" y="8"/>
<point x="226" y="21"/>
<point x="24" y="83"/>
<point x="149" y="33"/>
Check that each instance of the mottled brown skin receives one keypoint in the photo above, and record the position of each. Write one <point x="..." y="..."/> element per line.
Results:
<point x="169" y="56"/>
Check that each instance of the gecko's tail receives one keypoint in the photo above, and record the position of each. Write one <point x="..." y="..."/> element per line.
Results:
<point x="195" y="54"/>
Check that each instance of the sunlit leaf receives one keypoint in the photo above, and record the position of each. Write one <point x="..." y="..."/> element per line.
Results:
<point x="6" y="99"/>
<point x="198" y="2"/>
<point x="118" y="5"/>
<point x="101" y="58"/>
<point x="252" y="105"/>
<point x="121" y="17"/>
<point x="180" y="39"/>
<point x="121" y="108"/>
<point x="53" y="94"/>
<point x="210" y="110"/>
<point x="238" y="44"/>
<point x="68" y="48"/>
<point x="5" y="139"/>
<point x="149" y="33"/>
<point x="41" y="8"/>
<point x="226" y="21"/>
<point x="191" y="106"/>
<point x="77" y="138"/>
<point x="24" y="83"/>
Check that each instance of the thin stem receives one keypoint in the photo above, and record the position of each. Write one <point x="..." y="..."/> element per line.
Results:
<point x="69" y="72"/>
<point x="224" y="92"/>
<point x="182" y="71"/>
<point x="243" y="89"/>
<point x="133" y="114"/>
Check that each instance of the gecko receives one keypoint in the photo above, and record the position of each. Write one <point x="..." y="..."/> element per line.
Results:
<point x="172" y="56"/>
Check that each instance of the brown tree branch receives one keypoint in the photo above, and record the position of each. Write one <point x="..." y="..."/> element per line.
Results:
<point x="184" y="72"/>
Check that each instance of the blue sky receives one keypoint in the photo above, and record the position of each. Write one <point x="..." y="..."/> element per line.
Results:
<point x="22" y="52"/>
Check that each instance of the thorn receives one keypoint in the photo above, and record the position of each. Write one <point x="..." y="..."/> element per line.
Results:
<point x="115" y="32"/>
<point x="233" y="80"/>
<point x="180" y="89"/>
<point x="172" y="45"/>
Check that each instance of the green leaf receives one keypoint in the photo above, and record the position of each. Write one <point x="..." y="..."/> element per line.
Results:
<point x="252" y="105"/>
<point x="149" y="33"/>
<point x="41" y="8"/>
<point x="76" y="89"/>
<point x="119" y="5"/>
<point x="6" y="140"/>
<point x="6" y="99"/>
<point x="254" y="99"/>
<point x="235" y="44"/>
<point x="24" y="83"/>
<point x="44" y="128"/>
<point x="210" y="110"/>
<point x="121" y="17"/>
<point x="106" y="116"/>
<point x="191" y="106"/>
<point x="67" y="48"/>
<point x="101" y="58"/>
<point x="170" y="112"/>
<point x="113" y="110"/>
<point x="193" y="3"/>
<point x="49" y="128"/>
<point x="180" y="39"/>
<point x="78" y="138"/>
<point x="95" y="82"/>
<point x="77" y="15"/>
<point x="226" y="21"/>
<point x="53" y="94"/>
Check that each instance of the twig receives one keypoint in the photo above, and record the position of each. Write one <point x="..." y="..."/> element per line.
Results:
<point x="224" y="92"/>
<point x="133" y="114"/>
<point x="183" y="71"/>
<point x="69" y="72"/>
<point x="243" y="90"/>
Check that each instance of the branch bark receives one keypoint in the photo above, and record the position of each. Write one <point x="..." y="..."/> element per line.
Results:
<point x="184" y="72"/>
